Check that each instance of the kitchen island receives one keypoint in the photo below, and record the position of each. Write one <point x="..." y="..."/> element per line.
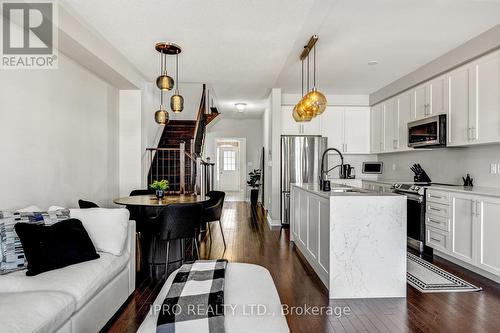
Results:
<point x="354" y="239"/>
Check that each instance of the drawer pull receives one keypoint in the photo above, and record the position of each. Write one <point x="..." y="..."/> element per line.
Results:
<point x="435" y="209"/>
<point x="434" y="221"/>
<point x="436" y="240"/>
<point x="436" y="196"/>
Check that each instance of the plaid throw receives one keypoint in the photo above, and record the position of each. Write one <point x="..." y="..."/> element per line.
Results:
<point x="195" y="301"/>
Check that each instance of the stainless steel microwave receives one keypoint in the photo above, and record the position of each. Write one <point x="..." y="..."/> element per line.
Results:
<point x="428" y="132"/>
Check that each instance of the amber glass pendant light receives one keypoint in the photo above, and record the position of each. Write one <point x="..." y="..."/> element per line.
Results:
<point x="177" y="101"/>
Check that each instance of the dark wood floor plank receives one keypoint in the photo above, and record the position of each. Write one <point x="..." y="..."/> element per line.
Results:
<point x="249" y="239"/>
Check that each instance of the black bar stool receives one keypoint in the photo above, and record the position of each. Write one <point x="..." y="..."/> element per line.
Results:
<point x="212" y="211"/>
<point x="177" y="222"/>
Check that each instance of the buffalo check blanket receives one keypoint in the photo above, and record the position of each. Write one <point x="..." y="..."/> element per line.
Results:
<point x="195" y="301"/>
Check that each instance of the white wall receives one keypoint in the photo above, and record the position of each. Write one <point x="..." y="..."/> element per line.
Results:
<point x="250" y="129"/>
<point x="58" y="137"/>
<point x="446" y="165"/>
<point x="266" y="141"/>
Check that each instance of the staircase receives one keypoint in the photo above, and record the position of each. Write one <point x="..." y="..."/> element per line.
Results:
<point x="177" y="157"/>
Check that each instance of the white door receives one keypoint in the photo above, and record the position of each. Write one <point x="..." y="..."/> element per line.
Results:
<point x="488" y="210"/>
<point x="390" y="125"/>
<point x="377" y="128"/>
<point x="459" y="87"/>
<point x="404" y="116"/>
<point x="488" y="98"/>
<point x="229" y="169"/>
<point x="357" y="130"/>
<point x="438" y="97"/>
<point x="462" y="226"/>
<point x="332" y="126"/>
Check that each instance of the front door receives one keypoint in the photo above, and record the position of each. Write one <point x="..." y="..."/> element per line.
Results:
<point x="229" y="169"/>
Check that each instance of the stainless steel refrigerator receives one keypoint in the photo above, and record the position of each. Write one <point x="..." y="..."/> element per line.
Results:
<point x="300" y="163"/>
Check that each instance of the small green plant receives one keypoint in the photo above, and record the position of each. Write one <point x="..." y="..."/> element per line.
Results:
<point x="254" y="181"/>
<point x="161" y="185"/>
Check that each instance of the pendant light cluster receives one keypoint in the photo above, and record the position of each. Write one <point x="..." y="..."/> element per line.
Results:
<point x="165" y="83"/>
<point x="313" y="103"/>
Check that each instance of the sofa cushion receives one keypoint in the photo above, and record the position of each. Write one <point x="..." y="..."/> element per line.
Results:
<point x="40" y="311"/>
<point x="10" y="245"/>
<point x="107" y="227"/>
<point x="82" y="281"/>
<point x="49" y="247"/>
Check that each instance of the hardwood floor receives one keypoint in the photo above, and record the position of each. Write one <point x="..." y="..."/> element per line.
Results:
<point x="250" y="240"/>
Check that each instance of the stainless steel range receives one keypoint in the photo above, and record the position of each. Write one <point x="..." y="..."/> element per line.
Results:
<point x="415" y="194"/>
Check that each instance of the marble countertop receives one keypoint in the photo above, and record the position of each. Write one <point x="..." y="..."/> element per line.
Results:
<point x="478" y="190"/>
<point x="314" y="188"/>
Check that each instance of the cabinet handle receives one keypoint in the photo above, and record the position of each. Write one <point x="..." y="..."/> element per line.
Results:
<point x="434" y="221"/>
<point x="478" y="208"/>
<point x="345" y="147"/>
<point x="436" y="240"/>
<point x="473" y="208"/>
<point x="435" y="196"/>
<point x="435" y="209"/>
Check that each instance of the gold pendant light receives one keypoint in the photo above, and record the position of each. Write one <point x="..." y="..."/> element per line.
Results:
<point x="165" y="82"/>
<point x="177" y="101"/>
<point x="314" y="102"/>
<point x="161" y="116"/>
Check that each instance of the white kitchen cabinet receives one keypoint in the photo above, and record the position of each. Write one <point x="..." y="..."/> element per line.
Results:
<point x="463" y="212"/>
<point x="430" y="98"/>
<point x="356" y="130"/>
<point x="487" y="86"/>
<point x="377" y="128"/>
<point x="404" y="116"/>
<point x="465" y="228"/>
<point x="391" y="125"/>
<point x="347" y="129"/>
<point x="488" y="211"/>
<point x="420" y="98"/>
<point x="290" y="127"/>
<point x="462" y="117"/>
<point x="332" y="126"/>
<point x="438" y="98"/>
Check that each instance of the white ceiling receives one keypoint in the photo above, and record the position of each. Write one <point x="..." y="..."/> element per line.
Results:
<point x="245" y="47"/>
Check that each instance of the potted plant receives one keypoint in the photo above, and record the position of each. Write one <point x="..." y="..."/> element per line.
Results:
<point x="160" y="186"/>
<point x="254" y="183"/>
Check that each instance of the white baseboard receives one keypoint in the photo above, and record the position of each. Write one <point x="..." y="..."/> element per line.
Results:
<point x="465" y="265"/>
<point x="271" y="222"/>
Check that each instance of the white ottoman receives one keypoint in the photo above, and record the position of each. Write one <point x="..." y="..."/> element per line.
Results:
<point x="250" y="297"/>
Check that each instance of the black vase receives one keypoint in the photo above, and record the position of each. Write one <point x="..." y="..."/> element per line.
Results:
<point x="254" y="196"/>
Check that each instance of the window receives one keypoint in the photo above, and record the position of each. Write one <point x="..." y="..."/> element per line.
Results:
<point x="229" y="160"/>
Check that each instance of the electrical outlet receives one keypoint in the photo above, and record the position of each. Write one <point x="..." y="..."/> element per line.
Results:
<point x="493" y="168"/>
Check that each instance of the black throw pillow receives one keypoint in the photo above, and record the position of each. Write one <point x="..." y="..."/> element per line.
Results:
<point x="49" y="247"/>
<point x="87" y="204"/>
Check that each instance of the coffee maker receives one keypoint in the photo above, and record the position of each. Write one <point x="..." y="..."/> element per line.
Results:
<point x="346" y="171"/>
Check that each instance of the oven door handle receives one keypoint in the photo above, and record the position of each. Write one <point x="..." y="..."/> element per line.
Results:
<point x="413" y="197"/>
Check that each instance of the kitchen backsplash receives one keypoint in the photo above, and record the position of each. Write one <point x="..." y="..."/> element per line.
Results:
<point x="445" y="165"/>
<point x="355" y="161"/>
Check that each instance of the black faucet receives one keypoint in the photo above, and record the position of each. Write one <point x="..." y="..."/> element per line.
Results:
<point x="324" y="173"/>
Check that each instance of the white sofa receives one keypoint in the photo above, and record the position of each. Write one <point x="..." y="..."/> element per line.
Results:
<point x="79" y="298"/>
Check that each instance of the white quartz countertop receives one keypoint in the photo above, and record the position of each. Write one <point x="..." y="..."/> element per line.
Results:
<point x="314" y="188"/>
<point x="478" y="190"/>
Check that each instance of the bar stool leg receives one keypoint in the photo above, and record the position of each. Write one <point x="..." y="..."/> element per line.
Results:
<point x="195" y="244"/>
<point x="166" y="260"/>
<point x="153" y="255"/>
<point x="222" y="233"/>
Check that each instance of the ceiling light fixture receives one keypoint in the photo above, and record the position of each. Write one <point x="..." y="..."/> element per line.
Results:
<point x="314" y="102"/>
<point x="240" y="106"/>
<point x="166" y="83"/>
<point x="372" y="62"/>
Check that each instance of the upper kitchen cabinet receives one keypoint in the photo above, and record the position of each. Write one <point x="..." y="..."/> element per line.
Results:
<point x="377" y="128"/>
<point x="404" y="115"/>
<point x="462" y="115"/>
<point x="347" y="129"/>
<point x="357" y="130"/>
<point x="429" y="98"/>
<point x="391" y="125"/>
<point x="487" y="88"/>
<point x="290" y="127"/>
